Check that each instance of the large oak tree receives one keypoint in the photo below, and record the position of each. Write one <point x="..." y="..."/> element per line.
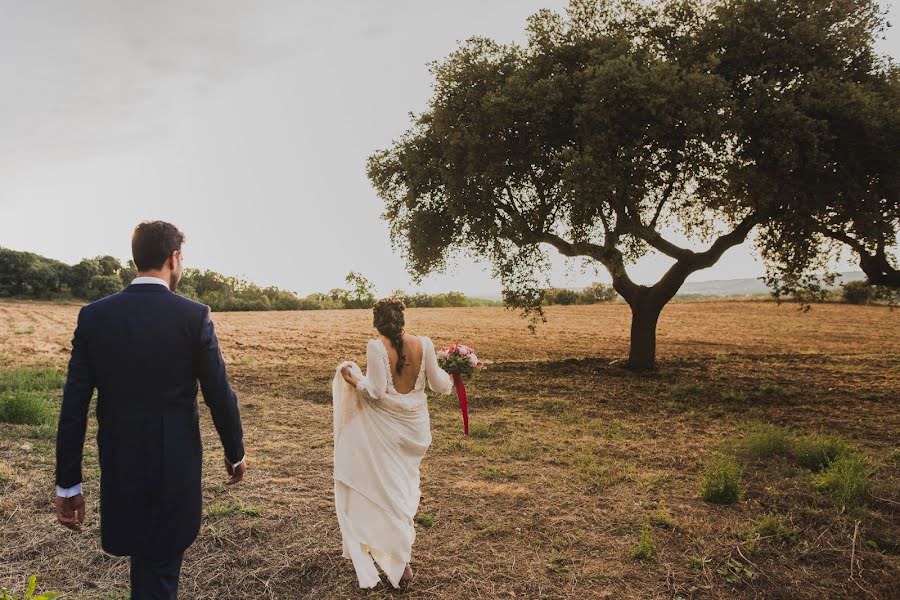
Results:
<point x="620" y="126"/>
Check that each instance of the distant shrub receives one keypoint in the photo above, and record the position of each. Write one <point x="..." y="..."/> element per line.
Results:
<point x="721" y="481"/>
<point x="597" y="293"/>
<point x="645" y="546"/>
<point x="860" y="292"/>
<point x="765" y="441"/>
<point x="818" y="452"/>
<point x="846" y="479"/>
<point x="593" y="294"/>
<point x="561" y="296"/>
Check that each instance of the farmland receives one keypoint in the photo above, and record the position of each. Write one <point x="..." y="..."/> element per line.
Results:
<point x="580" y="479"/>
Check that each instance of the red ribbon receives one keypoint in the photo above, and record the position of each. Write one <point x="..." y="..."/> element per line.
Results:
<point x="463" y="401"/>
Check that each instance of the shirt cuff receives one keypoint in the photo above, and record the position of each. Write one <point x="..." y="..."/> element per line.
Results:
<point x="235" y="465"/>
<point x="68" y="492"/>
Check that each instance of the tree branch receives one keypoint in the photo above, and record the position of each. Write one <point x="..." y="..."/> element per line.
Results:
<point x="656" y="240"/>
<point x="877" y="268"/>
<point x="673" y="279"/>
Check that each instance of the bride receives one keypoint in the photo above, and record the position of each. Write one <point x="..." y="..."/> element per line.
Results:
<point x="381" y="433"/>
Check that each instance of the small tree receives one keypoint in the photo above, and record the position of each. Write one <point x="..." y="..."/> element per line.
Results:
<point x="102" y="286"/>
<point x="597" y="293"/>
<point x="361" y="293"/>
<point x="560" y="296"/>
<point x="622" y="123"/>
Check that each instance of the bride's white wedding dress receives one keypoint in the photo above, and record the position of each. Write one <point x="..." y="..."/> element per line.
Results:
<point x="380" y="437"/>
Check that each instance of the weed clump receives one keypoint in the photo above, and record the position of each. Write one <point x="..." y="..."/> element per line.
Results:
<point x="721" y="481"/>
<point x="645" y="546"/>
<point x="846" y="479"/>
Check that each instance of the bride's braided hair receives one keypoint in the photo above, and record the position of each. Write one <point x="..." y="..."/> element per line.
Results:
<point x="388" y="320"/>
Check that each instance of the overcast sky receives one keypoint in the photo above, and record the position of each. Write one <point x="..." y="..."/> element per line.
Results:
<point x="245" y="123"/>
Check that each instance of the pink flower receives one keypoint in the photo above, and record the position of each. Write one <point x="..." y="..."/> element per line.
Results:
<point x="473" y="360"/>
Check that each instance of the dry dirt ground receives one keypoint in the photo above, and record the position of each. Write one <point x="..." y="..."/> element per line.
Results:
<point x="571" y="457"/>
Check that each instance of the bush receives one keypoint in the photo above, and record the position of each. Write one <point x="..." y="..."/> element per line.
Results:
<point x="860" y="292"/>
<point x="818" y="452"/>
<point x="721" y="481"/>
<point x="597" y="293"/>
<point x="561" y="296"/>
<point x="857" y="292"/>
<point x="846" y="480"/>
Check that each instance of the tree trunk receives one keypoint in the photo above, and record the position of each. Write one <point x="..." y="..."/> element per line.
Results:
<point x="644" y="316"/>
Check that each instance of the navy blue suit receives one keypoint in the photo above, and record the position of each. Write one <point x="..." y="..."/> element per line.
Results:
<point x="145" y="349"/>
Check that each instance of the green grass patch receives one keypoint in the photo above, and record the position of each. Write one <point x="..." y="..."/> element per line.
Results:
<point x="774" y="527"/>
<point x="219" y="509"/>
<point x="645" y="546"/>
<point x="492" y="473"/>
<point x="27" y="395"/>
<point x="481" y="431"/>
<point x="31" y="378"/>
<point x="846" y="479"/>
<point x="766" y="441"/>
<point x="25" y="407"/>
<point x="721" y="481"/>
<point x="817" y="452"/>
<point x="690" y="391"/>
<point x="596" y="473"/>
<point x="425" y="519"/>
<point x="771" y="390"/>
<point x="661" y="517"/>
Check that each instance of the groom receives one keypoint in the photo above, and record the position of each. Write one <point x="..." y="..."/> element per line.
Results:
<point x="144" y="350"/>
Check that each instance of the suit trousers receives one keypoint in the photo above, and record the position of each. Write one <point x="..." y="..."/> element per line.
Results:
<point x="155" y="579"/>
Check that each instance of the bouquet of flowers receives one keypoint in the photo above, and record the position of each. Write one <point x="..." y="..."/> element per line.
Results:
<point x="460" y="361"/>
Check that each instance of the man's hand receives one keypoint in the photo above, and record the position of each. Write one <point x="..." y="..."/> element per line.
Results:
<point x="70" y="511"/>
<point x="235" y="473"/>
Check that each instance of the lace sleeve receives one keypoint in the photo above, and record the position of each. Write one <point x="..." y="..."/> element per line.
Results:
<point x="374" y="384"/>
<point x="439" y="380"/>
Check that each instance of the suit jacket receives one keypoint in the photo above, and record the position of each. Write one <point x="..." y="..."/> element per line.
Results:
<point x="145" y="349"/>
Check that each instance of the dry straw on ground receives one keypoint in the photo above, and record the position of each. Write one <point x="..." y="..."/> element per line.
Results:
<point x="570" y="457"/>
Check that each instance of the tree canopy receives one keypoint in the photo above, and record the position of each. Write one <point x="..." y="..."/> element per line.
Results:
<point x="620" y="124"/>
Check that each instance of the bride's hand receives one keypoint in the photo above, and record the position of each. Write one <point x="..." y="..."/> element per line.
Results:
<point x="348" y="377"/>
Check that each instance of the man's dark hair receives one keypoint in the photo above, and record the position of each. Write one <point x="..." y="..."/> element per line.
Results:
<point x="153" y="242"/>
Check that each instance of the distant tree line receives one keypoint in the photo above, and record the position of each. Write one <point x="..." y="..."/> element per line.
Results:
<point x="29" y="275"/>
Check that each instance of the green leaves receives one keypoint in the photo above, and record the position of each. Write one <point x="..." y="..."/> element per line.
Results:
<point x="29" y="592"/>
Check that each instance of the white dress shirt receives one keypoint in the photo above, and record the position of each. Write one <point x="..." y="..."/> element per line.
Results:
<point x="76" y="489"/>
